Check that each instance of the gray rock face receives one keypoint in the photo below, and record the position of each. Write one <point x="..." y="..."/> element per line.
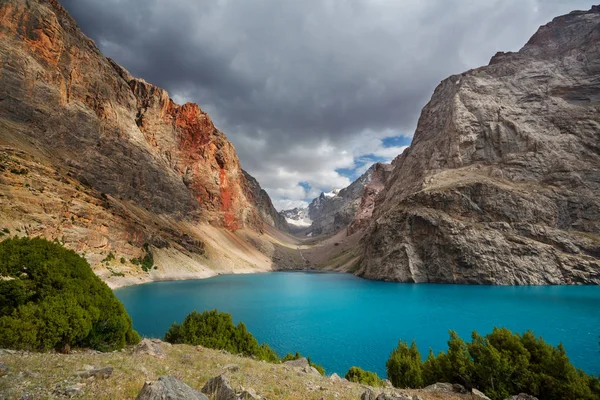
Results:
<point x="169" y="388"/>
<point x="335" y="211"/>
<point x="219" y="389"/>
<point x="263" y="204"/>
<point x="501" y="184"/>
<point x="368" y="395"/>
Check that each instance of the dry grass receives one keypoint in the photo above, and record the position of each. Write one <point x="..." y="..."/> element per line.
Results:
<point x="47" y="375"/>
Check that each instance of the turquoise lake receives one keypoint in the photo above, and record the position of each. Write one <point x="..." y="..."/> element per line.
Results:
<point x="340" y="320"/>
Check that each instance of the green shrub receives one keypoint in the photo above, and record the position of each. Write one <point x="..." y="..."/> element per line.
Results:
<point x="50" y="298"/>
<point x="359" y="375"/>
<point x="404" y="367"/>
<point x="216" y="330"/>
<point x="500" y="364"/>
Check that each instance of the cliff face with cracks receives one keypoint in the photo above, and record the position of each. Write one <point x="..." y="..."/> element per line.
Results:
<point x="109" y="162"/>
<point x="501" y="184"/>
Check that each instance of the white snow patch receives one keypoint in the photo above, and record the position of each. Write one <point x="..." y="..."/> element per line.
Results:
<point x="304" y="223"/>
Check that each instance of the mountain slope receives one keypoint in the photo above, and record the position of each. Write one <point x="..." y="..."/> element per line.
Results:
<point x="501" y="184"/>
<point x="108" y="163"/>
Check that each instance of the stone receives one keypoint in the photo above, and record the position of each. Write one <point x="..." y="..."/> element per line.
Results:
<point x="476" y="394"/>
<point x="368" y="395"/>
<point x="249" y="394"/>
<point x="388" y="383"/>
<point x="299" y="363"/>
<point x="335" y="378"/>
<point x="219" y="389"/>
<point x="439" y="387"/>
<point x="232" y="367"/>
<point x="4" y="369"/>
<point x="500" y="184"/>
<point x="150" y="347"/>
<point x="522" y="396"/>
<point x="100" y="373"/>
<point x="169" y="388"/>
<point x="74" y="390"/>
<point x="311" y="371"/>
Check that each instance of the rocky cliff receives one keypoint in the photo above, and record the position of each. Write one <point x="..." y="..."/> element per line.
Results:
<point x="333" y="211"/>
<point x="263" y="203"/>
<point x="501" y="184"/>
<point x="108" y="163"/>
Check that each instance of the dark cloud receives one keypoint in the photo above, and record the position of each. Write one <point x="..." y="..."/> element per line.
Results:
<point x="305" y="88"/>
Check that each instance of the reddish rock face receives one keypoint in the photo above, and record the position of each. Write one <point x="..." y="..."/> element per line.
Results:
<point x="121" y="135"/>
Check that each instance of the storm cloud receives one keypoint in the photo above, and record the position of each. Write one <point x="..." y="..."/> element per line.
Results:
<point x="309" y="92"/>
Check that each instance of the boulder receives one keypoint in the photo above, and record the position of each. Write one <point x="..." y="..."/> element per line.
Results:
<point x="522" y="396"/>
<point x="151" y="347"/>
<point x="479" y="395"/>
<point x="249" y="394"/>
<point x="368" y="395"/>
<point x="335" y="378"/>
<point x="299" y="363"/>
<point x="219" y="389"/>
<point x="232" y="367"/>
<point x="101" y="373"/>
<point x="443" y="387"/>
<point x="169" y="388"/>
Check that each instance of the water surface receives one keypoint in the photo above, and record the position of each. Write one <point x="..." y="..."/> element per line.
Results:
<point x="341" y="320"/>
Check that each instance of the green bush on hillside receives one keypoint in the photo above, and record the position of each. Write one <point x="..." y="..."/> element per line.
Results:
<point x="216" y="330"/>
<point x="50" y="298"/>
<point x="500" y="364"/>
<point x="359" y="375"/>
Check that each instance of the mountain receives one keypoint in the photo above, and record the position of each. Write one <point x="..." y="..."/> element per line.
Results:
<point x="263" y="203"/>
<point x="297" y="218"/>
<point x="335" y="210"/>
<point x="107" y="163"/>
<point x="501" y="184"/>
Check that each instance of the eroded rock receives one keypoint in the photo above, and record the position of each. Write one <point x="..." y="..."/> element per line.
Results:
<point x="169" y="388"/>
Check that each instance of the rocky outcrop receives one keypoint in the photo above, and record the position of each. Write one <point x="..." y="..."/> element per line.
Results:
<point x="105" y="162"/>
<point x="501" y="184"/>
<point x="331" y="212"/>
<point x="380" y="174"/>
<point x="169" y="387"/>
<point x="219" y="389"/>
<point x="261" y="200"/>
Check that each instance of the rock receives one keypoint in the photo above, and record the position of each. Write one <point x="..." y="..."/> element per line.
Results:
<point x="522" y="396"/>
<point x="480" y="395"/>
<point x="311" y="371"/>
<point x="368" y="395"/>
<point x="219" y="389"/>
<point x="232" y="367"/>
<point x="151" y="347"/>
<point x="458" y="388"/>
<point x="500" y="184"/>
<point x="169" y="388"/>
<point x="249" y="394"/>
<point x="388" y="396"/>
<point x="335" y="378"/>
<point x="74" y="390"/>
<point x="4" y="369"/>
<point x="101" y="373"/>
<point x="388" y="383"/>
<point x="440" y="387"/>
<point x="299" y="363"/>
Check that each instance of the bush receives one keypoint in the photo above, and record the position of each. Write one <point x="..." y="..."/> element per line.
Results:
<point x="216" y="330"/>
<point x="50" y="298"/>
<point x="358" y="375"/>
<point x="404" y="367"/>
<point x="500" y="364"/>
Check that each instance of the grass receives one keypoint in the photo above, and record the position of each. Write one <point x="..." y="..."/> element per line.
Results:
<point x="44" y="375"/>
